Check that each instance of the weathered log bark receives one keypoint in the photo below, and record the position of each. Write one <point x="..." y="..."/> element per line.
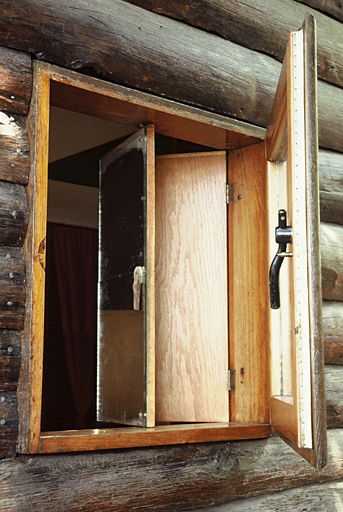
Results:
<point x="262" y="25"/>
<point x="13" y="214"/>
<point x="334" y="396"/>
<point x="333" y="332"/>
<point x="8" y="423"/>
<point x="14" y="149"/>
<point x="8" y="411"/>
<point x="331" y="186"/>
<point x="15" y="81"/>
<point x="135" y="47"/>
<point x="327" y="97"/>
<point x="9" y="360"/>
<point x="313" y="498"/>
<point x="12" y="288"/>
<point x="8" y="443"/>
<point x="332" y="7"/>
<point x="179" y="478"/>
<point x="332" y="261"/>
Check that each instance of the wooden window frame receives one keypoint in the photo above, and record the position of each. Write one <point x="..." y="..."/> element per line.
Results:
<point x="247" y="146"/>
<point x="119" y="104"/>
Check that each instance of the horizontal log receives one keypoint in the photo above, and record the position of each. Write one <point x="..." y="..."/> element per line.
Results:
<point x="13" y="214"/>
<point x="163" y="479"/>
<point x="332" y="261"/>
<point x="9" y="359"/>
<point x="334" y="395"/>
<point x="8" y="424"/>
<point x="328" y="95"/>
<point x="146" y="51"/>
<point x="15" y="81"/>
<point x="331" y="186"/>
<point x="331" y="7"/>
<point x="331" y="207"/>
<point x="14" y="149"/>
<point x="8" y="446"/>
<point x="12" y="288"/>
<point x="8" y="411"/>
<point x="333" y="332"/>
<point x="261" y="25"/>
<point x="313" y="498"/>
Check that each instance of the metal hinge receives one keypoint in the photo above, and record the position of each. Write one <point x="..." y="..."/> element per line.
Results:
<point x="229" y="193"/>
<point x="231" y="380"/>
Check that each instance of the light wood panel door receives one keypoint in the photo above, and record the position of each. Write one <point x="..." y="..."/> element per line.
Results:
<point x="191" y="288"/>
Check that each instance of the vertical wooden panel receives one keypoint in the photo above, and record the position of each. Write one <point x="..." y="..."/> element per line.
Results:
<point x="150" y="273"/>
<point x="30" y="386"/>
<point x="191" y="288"/>
<point x="319" y="457"/>
<point x="248" y="285"/>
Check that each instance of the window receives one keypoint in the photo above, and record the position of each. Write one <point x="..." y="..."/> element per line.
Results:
<point x="199" y="271"/>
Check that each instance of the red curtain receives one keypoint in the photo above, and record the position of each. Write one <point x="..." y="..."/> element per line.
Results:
<point x="71" y="326"/>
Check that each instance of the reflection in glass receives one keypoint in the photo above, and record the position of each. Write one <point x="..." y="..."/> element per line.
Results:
<point x="121" y="288"/>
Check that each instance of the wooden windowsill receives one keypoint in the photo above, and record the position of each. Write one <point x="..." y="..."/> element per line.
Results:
<point x="131" y="437"/>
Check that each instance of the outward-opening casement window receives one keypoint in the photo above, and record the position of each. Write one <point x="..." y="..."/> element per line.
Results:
<point x="207" y="328"/>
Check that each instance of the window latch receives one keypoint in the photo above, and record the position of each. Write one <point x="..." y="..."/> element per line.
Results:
<point x="283" y="236"/>
<point x="138" y="279"/>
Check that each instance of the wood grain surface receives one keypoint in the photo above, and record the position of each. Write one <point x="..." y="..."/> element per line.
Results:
<point x="191" y="288"/>
<point x="332" y="261"/>
<point x="331" y="186"/>
<point x="13" y="214"/>
<point x="334" y="396"/>
<point x="262" y="25"/>
<point x="248" y="285"/>
<point x="15" y="81"/>
<point x="333" y="331"/>
<point x="14" y="147"/>
<point x="10" y="357"/>
<point x="162" y="435"/>
<point x="12" y="288"/>
<point x="331" y="7"/>
<point x="316" y="498"/>
<point x="78" y="93"/>
<point x="30" y="383"/>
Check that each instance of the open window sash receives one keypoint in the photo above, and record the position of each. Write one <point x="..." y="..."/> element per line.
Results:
<point x="297" y="405"/>
<point x="125" y="366"/>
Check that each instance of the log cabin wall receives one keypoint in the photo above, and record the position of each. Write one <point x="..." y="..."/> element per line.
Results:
<point x="220" y="56"/>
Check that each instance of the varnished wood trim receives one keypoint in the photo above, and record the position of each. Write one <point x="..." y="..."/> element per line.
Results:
<point x="150" y="305"/>
<point x="121" y="104"/>
<point x="30" y="405"/>
<point x="84" y="440"/>
<point x="283" y="412"/>
<point x="249" y="329"/>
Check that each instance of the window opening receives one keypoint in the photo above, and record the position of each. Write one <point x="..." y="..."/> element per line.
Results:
<point x="77" y="142"/>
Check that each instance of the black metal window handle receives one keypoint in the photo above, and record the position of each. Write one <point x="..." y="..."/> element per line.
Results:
<point x="283" y="236"/>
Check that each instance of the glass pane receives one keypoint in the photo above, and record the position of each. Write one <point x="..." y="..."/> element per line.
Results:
<point x="121" y="387"/>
